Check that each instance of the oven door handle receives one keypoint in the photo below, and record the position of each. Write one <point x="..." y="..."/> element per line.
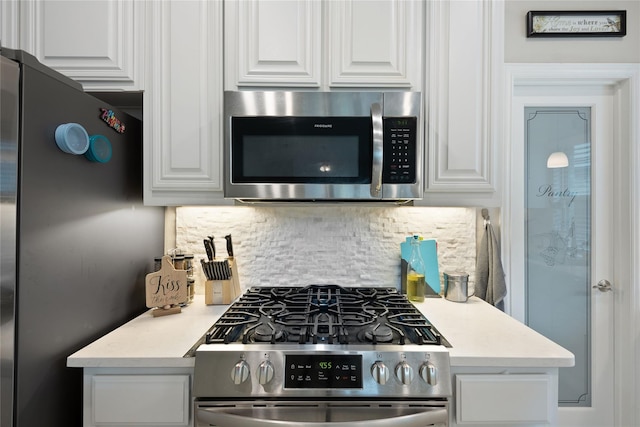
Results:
<point x="376" y="165"/>
<point x="421" y="419"/>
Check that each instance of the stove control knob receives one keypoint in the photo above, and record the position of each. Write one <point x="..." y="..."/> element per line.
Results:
<point x="240" y="372"/>
<point x="265" y="372"/>
<point x="380" y="372"/>
<point x="429" y="373"/>
<point x="404" y="373"/>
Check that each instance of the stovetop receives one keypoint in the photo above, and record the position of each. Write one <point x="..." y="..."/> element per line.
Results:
<point x="323" y="314"/>
<point x="322" y="341"/>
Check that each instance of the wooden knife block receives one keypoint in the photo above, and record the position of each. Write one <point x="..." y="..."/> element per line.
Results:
<point x="218" y="292"/>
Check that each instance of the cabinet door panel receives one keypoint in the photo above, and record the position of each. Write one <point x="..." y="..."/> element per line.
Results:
<point x="141" y="400"/>
<point x="9" y="24"/>
<point x="491" y="399"/>
<point x="96" y="43"/>
<point x="183" y="102"/>
<point x="459" y="133"/>
<point x="374" y="43"/>
<point x="278" y="42"/>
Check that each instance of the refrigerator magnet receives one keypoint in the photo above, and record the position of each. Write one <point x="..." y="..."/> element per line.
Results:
<point x="110" y="118"/>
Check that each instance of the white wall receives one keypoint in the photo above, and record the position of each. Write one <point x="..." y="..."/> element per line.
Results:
<point x="519" y="48"/>
<point x="346" y="245"/>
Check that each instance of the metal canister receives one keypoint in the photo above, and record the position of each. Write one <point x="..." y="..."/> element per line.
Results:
<point x="456" y="287"/>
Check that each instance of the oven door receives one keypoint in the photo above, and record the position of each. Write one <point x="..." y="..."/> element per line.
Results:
<point x="323" y="413"/>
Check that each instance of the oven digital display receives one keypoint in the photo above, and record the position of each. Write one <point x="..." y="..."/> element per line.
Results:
<point x="323" y="371"/>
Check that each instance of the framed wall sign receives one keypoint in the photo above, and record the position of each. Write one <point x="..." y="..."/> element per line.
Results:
<point x="565" y="23"/>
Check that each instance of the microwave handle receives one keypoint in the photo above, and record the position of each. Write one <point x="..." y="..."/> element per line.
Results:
<point x="376" y="166"/>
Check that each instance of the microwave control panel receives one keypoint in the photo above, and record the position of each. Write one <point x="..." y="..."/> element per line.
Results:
<point x="400" y="146"/>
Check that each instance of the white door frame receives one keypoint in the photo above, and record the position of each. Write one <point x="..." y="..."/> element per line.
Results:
<point x="626" y="250"/>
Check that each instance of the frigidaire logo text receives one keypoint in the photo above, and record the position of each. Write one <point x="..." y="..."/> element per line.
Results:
<point x="323" y="125"/>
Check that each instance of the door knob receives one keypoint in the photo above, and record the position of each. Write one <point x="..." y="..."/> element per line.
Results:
<point x="603" y="286"/>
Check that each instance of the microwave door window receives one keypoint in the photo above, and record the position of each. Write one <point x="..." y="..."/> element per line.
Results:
<point x="301" y="159"/>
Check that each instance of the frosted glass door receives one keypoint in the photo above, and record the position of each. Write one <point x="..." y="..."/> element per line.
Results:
<point x="558" y="238"/>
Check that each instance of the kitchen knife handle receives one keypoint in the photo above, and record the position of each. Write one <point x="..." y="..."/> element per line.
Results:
<point x="205" y="269"/>
<point x="229" y="245"/>
<point x="213" y="246"/>
<point x="207" y="248"/>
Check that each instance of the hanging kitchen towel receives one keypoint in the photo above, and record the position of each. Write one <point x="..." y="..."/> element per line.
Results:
<point x="490" y="284"/>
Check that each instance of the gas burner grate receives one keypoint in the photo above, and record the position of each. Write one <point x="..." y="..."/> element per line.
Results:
<point x="264" y="332"/>
<point x="323" y="314"/>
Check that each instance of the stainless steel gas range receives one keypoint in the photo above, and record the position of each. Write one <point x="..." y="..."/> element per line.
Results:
<point x="322" y="355"/>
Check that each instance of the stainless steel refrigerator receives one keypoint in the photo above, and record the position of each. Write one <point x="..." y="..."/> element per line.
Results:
<point x="77" y="240"/>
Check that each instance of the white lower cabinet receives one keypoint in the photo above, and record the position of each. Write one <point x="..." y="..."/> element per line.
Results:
<point x="161" y="397"/>
<point x="137" y="398"/>
<point x="512" y="399"/>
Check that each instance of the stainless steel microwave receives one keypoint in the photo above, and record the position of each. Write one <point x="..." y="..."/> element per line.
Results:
<point x="323" y="146"/>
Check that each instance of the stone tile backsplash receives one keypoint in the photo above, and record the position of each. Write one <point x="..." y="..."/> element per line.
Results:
<point x="318" y="244"/>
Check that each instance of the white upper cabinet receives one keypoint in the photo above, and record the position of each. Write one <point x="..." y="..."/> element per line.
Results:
<point x="183" y="103"/>
<point x="451" y="51"/>
<point x="324" y="44"/>
<point x="375" y="43"/>
<point x="97" y="43"/>
<point x="465" y="57"/>
<point x="273" y="43"/>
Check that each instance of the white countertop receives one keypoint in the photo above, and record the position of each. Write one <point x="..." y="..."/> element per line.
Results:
<point x="148" y="341"/>
<point x="480" y="336"/>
